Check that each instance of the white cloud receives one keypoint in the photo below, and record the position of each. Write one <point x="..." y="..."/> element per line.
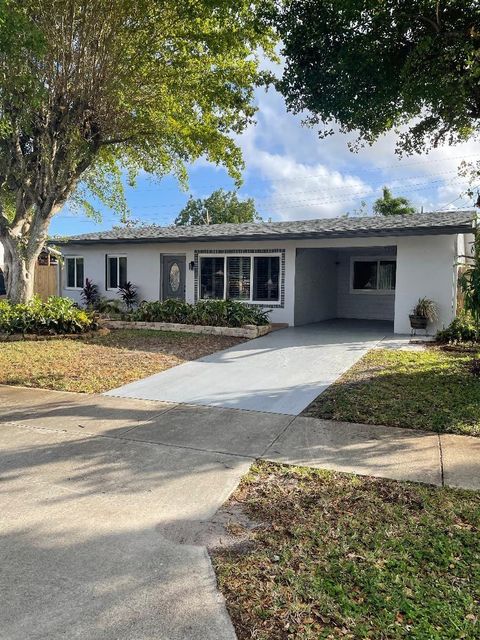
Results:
<point x="305" y="176"/>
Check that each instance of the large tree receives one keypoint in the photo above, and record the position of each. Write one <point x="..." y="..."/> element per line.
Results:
<point x="91" y="92"/>
<point x="375" y="65"/>
<point x="219" y="207"/>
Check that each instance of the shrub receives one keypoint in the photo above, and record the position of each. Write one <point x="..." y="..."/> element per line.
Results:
<point x="90" y="295"/>
<point x="128" y="294"/>
<point x="217" y="313"/>
<point x="109" y="306"/>
<point x="462" y="329"/>
<point x="55" y="315"/>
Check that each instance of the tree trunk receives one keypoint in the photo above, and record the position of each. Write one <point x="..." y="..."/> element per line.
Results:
<point x="19" y="267"/>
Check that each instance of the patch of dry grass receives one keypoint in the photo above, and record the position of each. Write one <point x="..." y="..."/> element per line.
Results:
<point x="342" y="556"/>
<point x="101" y="363"/>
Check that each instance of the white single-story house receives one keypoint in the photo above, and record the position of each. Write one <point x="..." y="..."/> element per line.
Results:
<point x="370" y="268"/>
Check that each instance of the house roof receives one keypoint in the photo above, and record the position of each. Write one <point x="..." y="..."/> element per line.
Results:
<point x="436" y="223"/>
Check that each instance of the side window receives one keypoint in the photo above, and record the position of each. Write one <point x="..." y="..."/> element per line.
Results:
<point x="116" y="271"/>
<point x="365" y="275"/>
<point x="374" y="275"/>
<point x="75" y="272"/>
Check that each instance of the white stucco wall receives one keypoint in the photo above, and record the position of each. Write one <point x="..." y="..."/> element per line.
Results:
<point x="144" y="268"/>
<point x="426" y="267"/>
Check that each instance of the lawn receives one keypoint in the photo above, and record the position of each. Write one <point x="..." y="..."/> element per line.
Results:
<point x="100" y="363"/>
<point x="432" y="389"/>
<point x="340" y="556"/>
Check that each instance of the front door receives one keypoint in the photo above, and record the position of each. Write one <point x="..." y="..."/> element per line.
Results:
<point x="173" y="278"/>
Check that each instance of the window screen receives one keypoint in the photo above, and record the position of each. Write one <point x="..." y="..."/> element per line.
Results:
<point x="238" y="278"/>
<point x="212" y="274"/>
<point x="266" y="276"/>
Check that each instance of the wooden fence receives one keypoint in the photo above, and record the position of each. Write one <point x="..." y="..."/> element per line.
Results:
<point x="46" y="280"/>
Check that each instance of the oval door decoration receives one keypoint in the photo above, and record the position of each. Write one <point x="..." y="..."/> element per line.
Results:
<point x="174" y="277"/>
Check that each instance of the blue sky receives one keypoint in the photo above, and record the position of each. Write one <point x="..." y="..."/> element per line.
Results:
<point x="294" y="175"/>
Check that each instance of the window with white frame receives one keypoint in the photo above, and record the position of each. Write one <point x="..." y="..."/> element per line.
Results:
<point x="240" y="277"/>
<point x="375" y="275"/>
<point x="74" y="268"/>
<point x="116" y="271"/>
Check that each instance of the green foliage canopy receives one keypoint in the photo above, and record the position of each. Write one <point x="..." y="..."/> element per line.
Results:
<point x="220" y="207"/>
<point x="373" y="66"/>
<point x="388" y="205"/>
<point x="91" y="91"/>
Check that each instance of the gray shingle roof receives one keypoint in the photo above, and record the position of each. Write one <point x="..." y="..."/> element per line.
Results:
<point x="440" y="222"/>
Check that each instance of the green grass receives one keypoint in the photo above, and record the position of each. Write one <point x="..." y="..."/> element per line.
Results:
<point x="433" y="390"/>
<point x="340" y="556"/>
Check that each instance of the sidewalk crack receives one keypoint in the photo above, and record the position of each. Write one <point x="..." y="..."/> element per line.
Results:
<point x="278" y="436"/>
<point x="441" y="460"/>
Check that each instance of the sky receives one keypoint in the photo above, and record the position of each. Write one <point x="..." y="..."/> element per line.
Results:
<point x="292" y="174"/>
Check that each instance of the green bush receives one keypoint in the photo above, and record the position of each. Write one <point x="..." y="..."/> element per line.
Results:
<point x="462" y="329"/>
<point x="216" y="313"/>
<point x="55" y="315"/>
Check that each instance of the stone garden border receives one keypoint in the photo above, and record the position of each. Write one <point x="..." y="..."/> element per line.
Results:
<point x="38" y="337"/>
<point x="247" y="331"/>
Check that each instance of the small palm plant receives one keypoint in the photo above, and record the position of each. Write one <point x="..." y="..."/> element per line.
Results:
<point x="470" y="284"/>
<point x="90" y="295"/>
<point x="128" y="294"/>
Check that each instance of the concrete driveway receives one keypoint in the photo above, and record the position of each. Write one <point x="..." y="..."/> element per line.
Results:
<point x="278" y="373"/>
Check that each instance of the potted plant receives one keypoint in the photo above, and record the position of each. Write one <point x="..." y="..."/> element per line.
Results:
<point x="423" y="312"/>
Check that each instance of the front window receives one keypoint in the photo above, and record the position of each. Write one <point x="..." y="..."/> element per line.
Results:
<point x="374" y="275"/>
<point x="240" y="277"/>
<point x="212" y="278"/>
<point x="266" y="278"/>
<point x="75" y="272"/>
<point x="116" y="271"/>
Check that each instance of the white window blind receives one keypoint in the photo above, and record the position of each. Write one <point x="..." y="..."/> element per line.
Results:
<point x="238" y="277"/>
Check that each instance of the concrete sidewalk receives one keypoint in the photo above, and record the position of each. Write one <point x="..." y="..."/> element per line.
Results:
<point x="90" y="484"/>
<point x="389" y="452"/>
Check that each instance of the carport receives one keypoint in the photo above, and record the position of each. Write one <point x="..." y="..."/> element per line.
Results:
<point x="346" y="283"/>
